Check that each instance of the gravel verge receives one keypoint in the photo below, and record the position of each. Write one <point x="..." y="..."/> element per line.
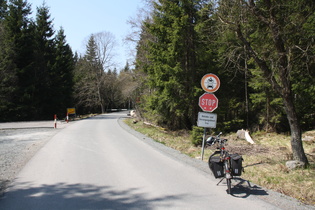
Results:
<point x="19" y="142"/>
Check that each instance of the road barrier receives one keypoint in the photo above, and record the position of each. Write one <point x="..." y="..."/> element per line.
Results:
<point x="55" y="121"/>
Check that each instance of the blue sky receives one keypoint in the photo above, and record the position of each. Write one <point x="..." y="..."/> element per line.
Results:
<point x="81" y="18"/>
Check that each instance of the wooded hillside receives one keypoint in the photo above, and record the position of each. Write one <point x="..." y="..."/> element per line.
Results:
<point x="262" y="50"/>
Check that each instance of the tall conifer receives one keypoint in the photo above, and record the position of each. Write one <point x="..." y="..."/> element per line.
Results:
<point x="174" y="66"/>
<point x="18" y="54"/>
<point x="44" y="60"/>
<point x="62" y="74"/>
<point x="88" y="80"/>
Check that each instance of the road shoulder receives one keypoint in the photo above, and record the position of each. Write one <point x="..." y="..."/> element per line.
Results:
<point x="242" y="188"/>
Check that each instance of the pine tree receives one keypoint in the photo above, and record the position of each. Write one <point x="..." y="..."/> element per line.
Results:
<point x="89" y="78"/>
<point x="44" y="59"/>
<point x="174" y="69"/>
<point x="3" y="9"/>
<point x="7" y="75"/>
<point x="62" y="74"/>
<point x="17" y="61"/>
<point x="127" y="67"/>
<point x="32" y="64"/>
<point x="165" y="73"/>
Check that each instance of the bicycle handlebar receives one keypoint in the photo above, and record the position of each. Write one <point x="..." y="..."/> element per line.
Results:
<point x="218" y="136"/>
<point x="212" y="140"/>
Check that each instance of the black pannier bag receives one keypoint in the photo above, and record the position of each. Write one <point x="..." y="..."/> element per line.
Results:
<point x="216" y="166"/>
<point x="236" y="164"/>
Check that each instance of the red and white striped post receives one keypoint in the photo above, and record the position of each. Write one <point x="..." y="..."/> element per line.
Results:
<point x="55" y="121"/>
<point x="67" y="118"/>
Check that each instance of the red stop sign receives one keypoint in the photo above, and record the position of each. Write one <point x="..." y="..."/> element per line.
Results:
<point x="208" y="102"/>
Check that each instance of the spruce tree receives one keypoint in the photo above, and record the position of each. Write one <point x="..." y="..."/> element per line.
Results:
<point x="3" y="9"/>
<point x="174" y="70"/>
<point x="89" y="77"/>
<point x="44" y="58"/>
<point x="7" y="76"/>
<point x="18" y="60"/>
<point x="62" y="74"/>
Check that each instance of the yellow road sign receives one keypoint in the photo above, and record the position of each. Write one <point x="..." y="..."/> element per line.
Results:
<point x="71" y="111"/>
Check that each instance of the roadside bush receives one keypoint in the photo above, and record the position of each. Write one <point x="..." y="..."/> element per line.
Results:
<point x="197" y="135"/>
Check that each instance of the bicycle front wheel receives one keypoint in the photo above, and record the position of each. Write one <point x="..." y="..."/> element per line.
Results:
<point x="228" y="182"/>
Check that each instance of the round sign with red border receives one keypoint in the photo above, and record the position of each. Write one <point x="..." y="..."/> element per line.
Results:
<point x="210" y="83"/>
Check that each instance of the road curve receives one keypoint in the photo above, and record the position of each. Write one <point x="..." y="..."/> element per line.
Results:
<point x="96" y="164"/>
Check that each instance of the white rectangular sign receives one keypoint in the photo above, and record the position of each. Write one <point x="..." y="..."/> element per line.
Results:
<point x="207" y="120"/>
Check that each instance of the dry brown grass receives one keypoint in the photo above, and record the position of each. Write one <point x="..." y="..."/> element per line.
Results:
<point x="264" y="162"/>
<point x="267" y="167"/>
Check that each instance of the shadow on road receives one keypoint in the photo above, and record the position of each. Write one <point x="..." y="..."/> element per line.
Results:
<point x="243" y="189"/>
<point x="81" y="196"/>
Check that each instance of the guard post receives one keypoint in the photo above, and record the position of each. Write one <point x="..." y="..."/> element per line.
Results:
<point x="55" y="121"/>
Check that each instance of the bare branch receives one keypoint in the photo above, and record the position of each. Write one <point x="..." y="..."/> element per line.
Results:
<point x="106" y="44"/>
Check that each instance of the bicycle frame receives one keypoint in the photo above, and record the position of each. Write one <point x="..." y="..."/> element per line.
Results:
<point x="225" y="158"/>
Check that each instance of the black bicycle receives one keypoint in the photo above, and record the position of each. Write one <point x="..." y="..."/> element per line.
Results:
<point x="222" y="164"/>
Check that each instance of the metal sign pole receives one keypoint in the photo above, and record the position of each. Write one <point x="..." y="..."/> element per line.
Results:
<point x="203" y="142"/>
<point x="208" y="102"/>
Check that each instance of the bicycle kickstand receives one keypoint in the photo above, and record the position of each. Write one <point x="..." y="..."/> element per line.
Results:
<point x="220" y="181"/>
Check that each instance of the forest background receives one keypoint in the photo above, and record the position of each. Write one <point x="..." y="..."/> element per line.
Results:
<point x="262" y="51"/>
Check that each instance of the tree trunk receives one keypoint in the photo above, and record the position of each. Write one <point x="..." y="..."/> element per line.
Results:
<point x="296" y="136"/>
<point x="100" y="99"/>
<point x="284" y="90"/>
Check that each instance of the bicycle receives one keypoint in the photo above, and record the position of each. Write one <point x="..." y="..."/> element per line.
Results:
<point x="224" y="165"/>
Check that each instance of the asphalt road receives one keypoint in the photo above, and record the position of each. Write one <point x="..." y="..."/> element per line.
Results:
<point x="97" y="164"/>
